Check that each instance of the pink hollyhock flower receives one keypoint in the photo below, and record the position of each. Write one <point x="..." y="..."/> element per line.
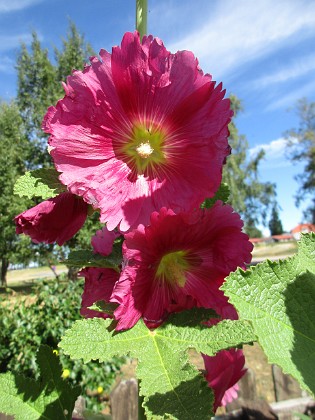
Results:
<point x="55" y="220"/>
<point x="99" y="283"/>
<point x="103" y="240"/>
<point x="223" y="371"/>
<point x="175" y="264"/>
<point x="131" y="124"/>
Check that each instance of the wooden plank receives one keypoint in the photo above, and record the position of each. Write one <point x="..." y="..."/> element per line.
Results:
<point x="286" y="387"/>
<point x="124" y="400"/>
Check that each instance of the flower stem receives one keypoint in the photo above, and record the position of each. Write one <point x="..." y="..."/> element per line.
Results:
<point x="141" y="16"/>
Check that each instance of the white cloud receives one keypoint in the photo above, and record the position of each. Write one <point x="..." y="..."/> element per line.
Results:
<point x="14" y="5"/>
<point x="7" y="42"/>
<point x="274" y="154"/>
<point x="237" y="32"/>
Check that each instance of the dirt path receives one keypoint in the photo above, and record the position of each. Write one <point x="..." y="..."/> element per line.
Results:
<point x="29" y="275"/>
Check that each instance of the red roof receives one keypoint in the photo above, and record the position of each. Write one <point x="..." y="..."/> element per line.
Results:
<point x="283" y="237"/>
<point x="257" y="240"/>
<point x="304" y="227"/>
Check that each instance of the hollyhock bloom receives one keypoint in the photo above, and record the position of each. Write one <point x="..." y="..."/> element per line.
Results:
<point x="223" y="371"/>
<point x="55" y="220"/>
<point x="99" y="282"/>
<point x="102" y="241"/>
<point x="131" y="124"/>
<point x="176" y="263"/>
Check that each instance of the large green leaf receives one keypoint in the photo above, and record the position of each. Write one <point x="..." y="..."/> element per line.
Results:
<point x="42" y="183"/>
<point x="170" y="385"/>
<point x="279" y="299"/>
<point x="49" y="398"/>
<point x="87" y="258"/>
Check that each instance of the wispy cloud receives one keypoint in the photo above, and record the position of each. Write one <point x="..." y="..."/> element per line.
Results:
<point x="275" y="156"/>
<point x="7" y="42"/>
<point x="7" y="65"/>
<point x="236" y="33"/>
<point x="300" y="67"/>
<point x="14" y="5"/>
<point x="289" y="99"/>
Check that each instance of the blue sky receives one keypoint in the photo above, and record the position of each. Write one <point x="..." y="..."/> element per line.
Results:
<point x="262" y="50"/>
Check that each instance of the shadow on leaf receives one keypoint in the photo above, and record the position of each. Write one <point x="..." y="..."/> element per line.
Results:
<point x="189" y="400"/>
<point x="299" y="303"/>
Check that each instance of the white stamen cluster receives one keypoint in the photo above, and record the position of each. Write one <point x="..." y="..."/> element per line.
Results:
<point x="144" y="150"/>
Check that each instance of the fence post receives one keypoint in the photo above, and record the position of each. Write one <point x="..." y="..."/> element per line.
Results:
<point x="247" y="390"/>
<point x="124" y="400"/>
<point x="285" y="386"/>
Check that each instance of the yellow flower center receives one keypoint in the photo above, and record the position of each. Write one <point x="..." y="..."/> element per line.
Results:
<point x="172" y="268"/>
<point x="144" y="148"/>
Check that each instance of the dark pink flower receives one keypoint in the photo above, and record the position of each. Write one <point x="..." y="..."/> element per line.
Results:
<point x="176" y="263"/>
<point x="138" y="130"/>
<point x="55" y="220"/>
<point x="223" y="371"/>
<point x="99" y="283"/>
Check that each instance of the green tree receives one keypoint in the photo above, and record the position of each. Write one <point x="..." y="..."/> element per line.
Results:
<point x="14" y="148"/>
<point x="275" y="224"/>
<point x="250" y="197"/>
<point x="74" y="54"/>
<point x="37" y="89"/>
<point x="301" y="148"/>
<point x="252" y="230"/>
<point x="39" y="86"/>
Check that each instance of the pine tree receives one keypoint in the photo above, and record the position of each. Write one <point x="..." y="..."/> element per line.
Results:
<point x="39" y="85"/>
<point x="275" y="225"/>
<point x="74" y="54"/>
<point x="37" y="89"/>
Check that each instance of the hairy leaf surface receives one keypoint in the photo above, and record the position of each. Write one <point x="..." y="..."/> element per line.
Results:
<point x="278" y="298"/>
<point x="49" y="398"/>
<point x="42" y="183"/>
<point x="171" y="386"/>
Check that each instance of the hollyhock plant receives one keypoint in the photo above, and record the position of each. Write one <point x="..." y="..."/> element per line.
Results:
<point x="130" y="125"/>
<point x="55" y="220"/>
<point x="177" y="262"/>
<point x="223" y="371"/>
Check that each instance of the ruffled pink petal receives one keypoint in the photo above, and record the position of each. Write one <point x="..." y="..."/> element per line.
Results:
<point x="102" y="242"/>
<point x="99" y="283"/>
<point x="140" y="83"/>
<point x="223" y="371"/>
